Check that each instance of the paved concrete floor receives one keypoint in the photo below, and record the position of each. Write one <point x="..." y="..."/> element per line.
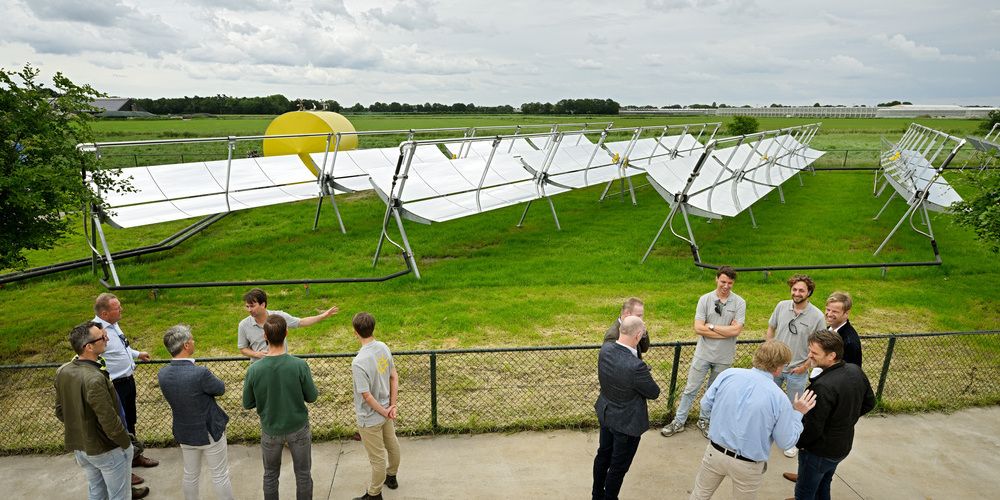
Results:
<point x="923" y="456"/>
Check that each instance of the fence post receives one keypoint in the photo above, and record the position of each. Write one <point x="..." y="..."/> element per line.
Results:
<point x="885" y="370"/>
<point x="673" y="380"/>
<point x="845" y="157"/>
<point x="434" y="398"/>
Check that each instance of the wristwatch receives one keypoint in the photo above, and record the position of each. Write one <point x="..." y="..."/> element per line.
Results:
<point x="711" y="327"/>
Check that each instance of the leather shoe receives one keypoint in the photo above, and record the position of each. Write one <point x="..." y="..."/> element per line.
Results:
<point x="390" y="482"/>
<point x="137" y="480"/>
<point x="144" y="461"/>
<point x="366" y="496"/>
<point x="791" y="476"/>
<point x="140" y="492"/>
<point x="356" y="436"/>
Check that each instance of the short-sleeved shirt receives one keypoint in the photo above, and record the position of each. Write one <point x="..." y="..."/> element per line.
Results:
<point x="371" y="369"/>
<point x="251" y="335"/>
<point x="810" y="321"/>
<point x="734" y="308"/>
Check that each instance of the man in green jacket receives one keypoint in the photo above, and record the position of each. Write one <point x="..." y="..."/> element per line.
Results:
<point x="88" y="406"/>
<point x="279" y="385"/>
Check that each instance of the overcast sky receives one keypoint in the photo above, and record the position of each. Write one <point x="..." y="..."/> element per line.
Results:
<point x="510" y="51"/>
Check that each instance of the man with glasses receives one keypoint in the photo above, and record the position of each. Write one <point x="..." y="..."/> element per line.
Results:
<point x="718" y="320"/>
<point x="87" y="404"/>
<point x="791" y="323"/>
<point x="120" y="358"/>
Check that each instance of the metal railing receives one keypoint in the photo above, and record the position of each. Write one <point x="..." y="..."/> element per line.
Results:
<point x="512" y="388"/>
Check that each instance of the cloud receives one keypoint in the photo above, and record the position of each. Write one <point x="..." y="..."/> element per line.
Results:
<point x="95" y="13"/>
<point x="587" y="64"/>
<point x="917" y="51"/>
<point x="409" y="15"/>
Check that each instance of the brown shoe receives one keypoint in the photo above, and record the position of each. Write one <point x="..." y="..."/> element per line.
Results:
<point x="144" y="461"/>
<point x="140" y="492"/>
<point x="137" y="480"/>
<point x="791" y="476"/>
<point x="356" y="436"/>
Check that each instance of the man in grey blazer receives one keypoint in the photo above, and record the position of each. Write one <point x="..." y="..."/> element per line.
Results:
<point x="199" y="423"/>
<point x="626" y="384"/>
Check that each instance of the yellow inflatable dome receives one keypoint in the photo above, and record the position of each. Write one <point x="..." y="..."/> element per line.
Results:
<point x="308" y="122"/>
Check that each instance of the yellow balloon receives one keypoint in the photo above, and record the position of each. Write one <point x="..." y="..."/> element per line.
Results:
<point x="309" y="122"/>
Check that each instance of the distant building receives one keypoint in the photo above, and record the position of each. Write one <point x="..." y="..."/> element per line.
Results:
<point x="118" y="107"/>
<point x="899" y="111"/>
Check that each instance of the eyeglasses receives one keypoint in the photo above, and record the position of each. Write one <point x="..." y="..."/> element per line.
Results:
<point x="98" y="339"/>
<point x="718" y="307"/>
<point x="792" y="328"/>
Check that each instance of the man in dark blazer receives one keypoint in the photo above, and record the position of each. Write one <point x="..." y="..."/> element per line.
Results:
<point x="632" y="307"/>
<point x="199" y="424"/>
<point x="626" y="384"/>
<point x="838" y="309"/>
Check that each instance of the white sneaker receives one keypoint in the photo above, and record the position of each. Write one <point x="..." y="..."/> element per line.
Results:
<point x="791" y="452"/>
<point x="671" y="429"/>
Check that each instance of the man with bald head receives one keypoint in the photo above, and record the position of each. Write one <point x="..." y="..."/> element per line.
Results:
<point x="626" y="384"/>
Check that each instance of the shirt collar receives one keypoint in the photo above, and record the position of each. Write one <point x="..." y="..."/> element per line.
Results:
<point x="184" y="359"/>
<point x="630" y="348"/>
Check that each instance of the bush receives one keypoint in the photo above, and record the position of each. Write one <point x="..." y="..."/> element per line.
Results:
<point x="981" y="213"/>
<point x="991" y="119"/>
<point x="742" y="125"/>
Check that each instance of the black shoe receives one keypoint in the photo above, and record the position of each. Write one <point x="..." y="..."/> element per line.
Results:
<point x="366" y="496"/>
<point x="139" y="492"/>
<point x="390" y="482"/>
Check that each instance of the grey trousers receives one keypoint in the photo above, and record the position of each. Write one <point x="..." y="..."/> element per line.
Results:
<point x="300" y="446"/>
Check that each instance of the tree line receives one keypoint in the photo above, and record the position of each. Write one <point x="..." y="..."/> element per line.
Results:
<point x="277" y="104"/>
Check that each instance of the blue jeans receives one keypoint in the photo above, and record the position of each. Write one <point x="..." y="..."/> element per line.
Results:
<point x="794" y="384"/>
<point x="109" y="475"/>
<point x="815" y="476"/>
<point x="300" y="446"/>
<point x="696" y="376"/>
<point x="614" y="457"/>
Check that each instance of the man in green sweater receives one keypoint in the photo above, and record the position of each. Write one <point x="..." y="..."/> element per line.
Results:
<point x="279" y="385"/>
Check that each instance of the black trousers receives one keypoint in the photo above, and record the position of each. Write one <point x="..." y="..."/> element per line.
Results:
<point x="125" y="387"/>
<point x="614" y="457"/>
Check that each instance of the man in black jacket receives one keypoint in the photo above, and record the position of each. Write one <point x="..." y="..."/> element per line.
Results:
<point x="626" y="384"/>
<point x="843" y="394"/>
<point x="632" y="307"/>
<point x="838" y="308"/>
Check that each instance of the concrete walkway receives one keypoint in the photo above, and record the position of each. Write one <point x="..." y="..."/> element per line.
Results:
<point x="924" y="456"/>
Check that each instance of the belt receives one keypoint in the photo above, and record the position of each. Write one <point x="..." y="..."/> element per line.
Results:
<point x="732" y="453"/>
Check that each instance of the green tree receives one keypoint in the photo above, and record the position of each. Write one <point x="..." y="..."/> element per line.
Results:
<point x="742" y="125"/>
<point x="981" y="212"/>
<point x="992" y="118"/>
<point x="40" y="167"/>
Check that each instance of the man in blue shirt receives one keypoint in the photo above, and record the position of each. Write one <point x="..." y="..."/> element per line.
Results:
<point x="748" y="413"/>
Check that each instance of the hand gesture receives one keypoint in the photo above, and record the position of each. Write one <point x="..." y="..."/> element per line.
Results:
<point x="331" y="311"/>
<point x="391" y="413"/>
<point x="804" y="402"/>
<point x="144" y="356"/>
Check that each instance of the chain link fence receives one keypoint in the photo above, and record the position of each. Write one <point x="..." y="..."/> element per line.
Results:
<point x="479" y="390"/>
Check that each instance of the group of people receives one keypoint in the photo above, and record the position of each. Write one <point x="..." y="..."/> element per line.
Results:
<point x="815" y="356"/>
<point x="96" y="401"/>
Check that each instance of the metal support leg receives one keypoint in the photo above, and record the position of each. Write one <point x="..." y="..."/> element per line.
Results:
<point x="800" y="179"/>
<point x="378" y="247"/>
<point x="658" y="233"/>
<point x="107" y="251"/>
<point x="406" y="244"/>
<point x="524" y="214"/>
<point x="753" y="220"/>
<point x="898" y="224"/>
<point x="319" y="206"/>
<point x="781" y="195"/>
<point x="554" y="216"/>
<point x="879" y="214"/>
<point x="607" y="187"/>
<point x="621" y="184"/>
<point x="631" y="191"/>
<point x="336" y="210"/>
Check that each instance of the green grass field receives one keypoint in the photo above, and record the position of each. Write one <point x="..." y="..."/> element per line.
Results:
<point x="488" y="283"/>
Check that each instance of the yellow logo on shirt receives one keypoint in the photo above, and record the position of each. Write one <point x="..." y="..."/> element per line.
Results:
<point x="383" y="364"/>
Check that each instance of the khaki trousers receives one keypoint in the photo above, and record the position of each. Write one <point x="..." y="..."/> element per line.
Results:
<point x="380" y="440"/>
<point x="715" y="465"/>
